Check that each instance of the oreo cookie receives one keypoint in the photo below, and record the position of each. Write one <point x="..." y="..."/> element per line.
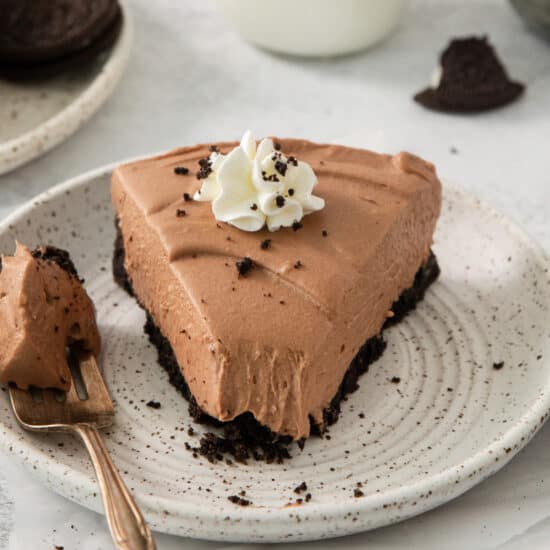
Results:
<point x="40" y="38"/>
<point x="472" y="79"/>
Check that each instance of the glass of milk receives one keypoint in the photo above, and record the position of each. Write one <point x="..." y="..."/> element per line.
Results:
<point x="312" y="28"/>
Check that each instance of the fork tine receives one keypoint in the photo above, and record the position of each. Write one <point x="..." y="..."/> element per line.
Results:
<point x="93" y="379"/>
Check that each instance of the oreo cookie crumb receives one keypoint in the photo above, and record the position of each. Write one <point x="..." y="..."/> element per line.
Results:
<point x="281" y="167"/>
<point x="499" y="365"/>
<point x="301" y="488"/>
<point x="181" y="170"/>
<point x="395" y="380"/>
<point x="180" y="213"/>
<point x="308" y="497"/>
<point x="187" y="197"/>
<point x="280" y="201"/>
<point x="298" y="264"/>
<point x="324" y="233"/>
<point x="205" y="169"/>
<point x="243" y="445"/>
<point x="153" y="404"/>
<point x="254" y="207"/>
<point x="357" y="493"/>
<point x="297" y="225"/>
<point x="290" y="192"/>
<point x="277" y="146"/>
<point x="472" y="79"/>
<point x="265" y="244"/>
<point x="235" y="499"/>
<point x="244" y="266"/>
<point x="214" y="149"/>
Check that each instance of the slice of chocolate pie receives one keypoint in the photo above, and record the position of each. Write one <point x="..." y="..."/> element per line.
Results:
<point x="265" y="300"/>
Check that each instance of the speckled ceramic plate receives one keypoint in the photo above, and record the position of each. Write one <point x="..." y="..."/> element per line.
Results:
<point x="451" y="421"/>
<point x="37" y="116"/>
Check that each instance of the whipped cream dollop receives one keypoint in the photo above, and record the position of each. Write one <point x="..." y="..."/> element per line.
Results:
<point x="257" y="185"/>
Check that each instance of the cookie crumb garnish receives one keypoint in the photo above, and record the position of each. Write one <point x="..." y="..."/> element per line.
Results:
<point x="214" y="149"/>
<point x="187" y="197"/>
<point x="499" y="365"/>
<point x="265" y="244"/>
<point x="281" y="167"/>
<point x="290" y="192"/>
<point x="153" y="404"/>
<point x="254" y="207"/>
<point x="235" y="499"/>
<point x="301" y="488"/>
<point x="395" y="380"/>
<point x="277" y="146"/>
<point x="297" y="225"/>
<point x="244" y="266"/>
<point x="181" y="170"/>
<point x="180" y="213"/>
<point x="324" y="233"/>
<point x="357" y="493"/>
<point x="205" y="168"/>
<point x="280" y="201"/>
<point x="298" y="264"/>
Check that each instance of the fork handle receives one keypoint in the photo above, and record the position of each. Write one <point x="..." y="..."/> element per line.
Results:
<point x="128" y="528"/>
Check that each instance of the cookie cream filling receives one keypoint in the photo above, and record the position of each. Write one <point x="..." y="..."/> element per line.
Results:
<point x="257" y="185"/>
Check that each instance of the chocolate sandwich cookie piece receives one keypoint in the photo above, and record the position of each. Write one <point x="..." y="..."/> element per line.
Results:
<point x="472" y="79"/>
<point x="33" y="31"/>
<point x="20" y="71"/>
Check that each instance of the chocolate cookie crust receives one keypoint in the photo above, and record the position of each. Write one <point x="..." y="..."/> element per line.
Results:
<point x="244" y="436"/>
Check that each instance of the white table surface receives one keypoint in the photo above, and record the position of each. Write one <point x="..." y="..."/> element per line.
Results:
<point x="191" y="79"/>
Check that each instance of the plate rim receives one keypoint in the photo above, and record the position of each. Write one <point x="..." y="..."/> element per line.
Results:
<point x="59" y="127"/>
<point x="444" y="486"/>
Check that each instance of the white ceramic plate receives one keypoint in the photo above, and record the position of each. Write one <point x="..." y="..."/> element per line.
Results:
<point x="37" y="116"/>
<point x="452" y="420"/>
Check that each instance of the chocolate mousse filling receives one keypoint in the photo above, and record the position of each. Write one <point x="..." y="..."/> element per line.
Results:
<point x="244" y="437"/>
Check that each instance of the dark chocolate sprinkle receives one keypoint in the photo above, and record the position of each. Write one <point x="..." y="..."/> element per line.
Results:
<point x="301" y="488"/>
<point x="395" y="380"/>
<point x="265" y="244"/>
<point x="498" y="366"/>
<point x="153" y="404"/>
<point x="298" y="264"/>
<point x="357" y="493"/>
<point x="254" y="207"/>
<point x="187" y="197"/>
<point x="290" y="192"/>
<point x="297" y="225"/>
<point x="181" y="170"/>
<point x="280" y="201"/>
<point x="277" y="146"/>
<point x="324" y="232"/>
<point x="180" y="213"/>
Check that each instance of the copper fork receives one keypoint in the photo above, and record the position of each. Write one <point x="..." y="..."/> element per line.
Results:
<point x="82" y="411"/>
